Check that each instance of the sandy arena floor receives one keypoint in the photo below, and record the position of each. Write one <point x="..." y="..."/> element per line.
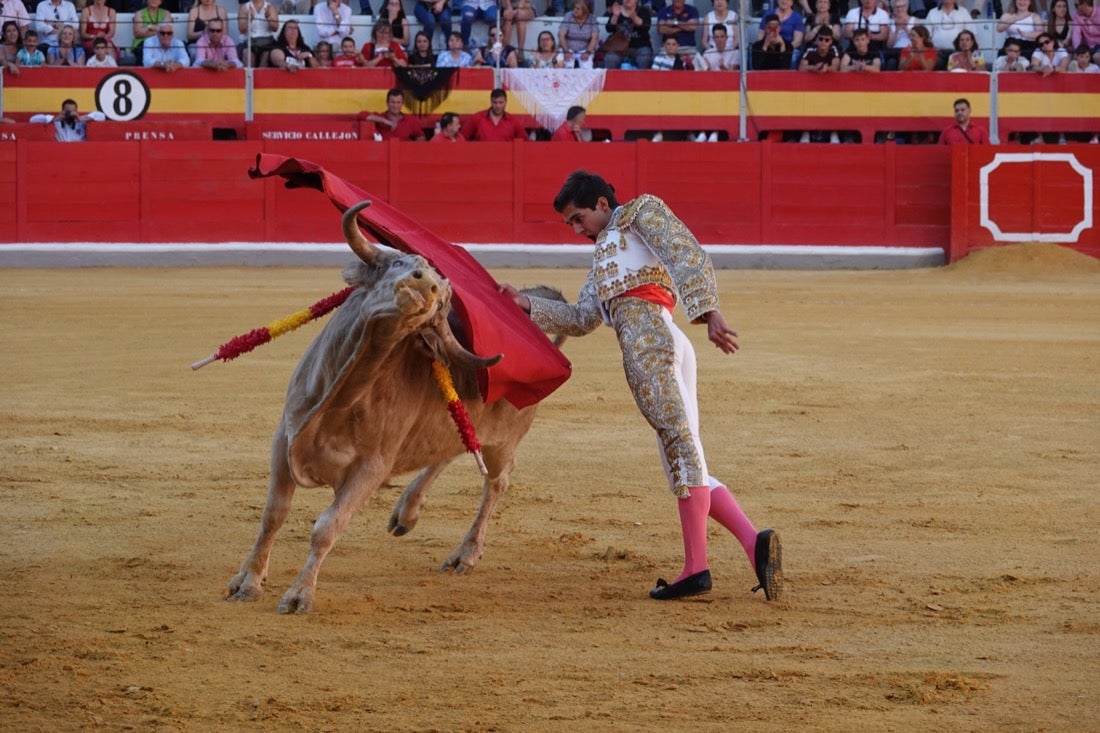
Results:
<point x="926" y="441"/>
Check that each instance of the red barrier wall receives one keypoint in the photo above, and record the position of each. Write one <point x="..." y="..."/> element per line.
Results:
<point x="958" y="198"/>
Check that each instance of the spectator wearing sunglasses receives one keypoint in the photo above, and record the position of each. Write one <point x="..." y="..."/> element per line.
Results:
<point x="1048" y="58"/>
<point x="215" y="50"/>
<point x="164" y="51"/>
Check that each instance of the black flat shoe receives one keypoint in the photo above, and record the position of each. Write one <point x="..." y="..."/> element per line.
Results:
<point x="769" y="564"/>
<point x="692" y="585"/>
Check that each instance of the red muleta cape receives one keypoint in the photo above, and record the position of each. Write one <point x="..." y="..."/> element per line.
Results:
<point x="532" y="366"/>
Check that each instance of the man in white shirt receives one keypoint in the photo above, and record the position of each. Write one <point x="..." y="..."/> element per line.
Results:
<point x="50" y="17"/>
<point x="721" y="56"/>
<point x="876" y="20"/>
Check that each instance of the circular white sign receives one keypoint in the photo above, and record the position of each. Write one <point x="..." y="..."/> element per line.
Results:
<point x="123" y="96"/>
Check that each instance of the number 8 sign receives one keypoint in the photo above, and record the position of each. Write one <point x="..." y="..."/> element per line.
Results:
<point x="122" y="96"/>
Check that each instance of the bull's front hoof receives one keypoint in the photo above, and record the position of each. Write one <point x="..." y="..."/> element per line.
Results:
<point x="398" y="526"/>
<point x="296" y="601"/>
<point x="461" y="561"/>
<point x="243" y="588"/>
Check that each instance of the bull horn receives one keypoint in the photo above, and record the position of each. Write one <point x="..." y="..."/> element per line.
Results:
<point x="448" y="350"/>
<point x="363" y="249"/>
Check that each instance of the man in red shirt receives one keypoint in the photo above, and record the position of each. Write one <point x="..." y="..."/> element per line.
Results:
<point x="393" y="123"/>
<point x="572" y="130"/>
<point x="964" y="131"/>
<point x="450" y="129"/>
<point x="494" y="125"/>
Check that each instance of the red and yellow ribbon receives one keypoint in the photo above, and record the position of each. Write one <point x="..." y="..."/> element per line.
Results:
<point x="458" y="412"/>
<point x="246" y="342"/>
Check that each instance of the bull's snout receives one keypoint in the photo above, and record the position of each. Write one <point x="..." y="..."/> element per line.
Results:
<point x="419" y="291"/>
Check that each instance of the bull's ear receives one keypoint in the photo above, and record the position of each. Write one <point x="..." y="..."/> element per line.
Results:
<point x="363" y="249"/>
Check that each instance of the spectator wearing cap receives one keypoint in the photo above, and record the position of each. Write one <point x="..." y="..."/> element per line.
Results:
<point x="164" y="51"/>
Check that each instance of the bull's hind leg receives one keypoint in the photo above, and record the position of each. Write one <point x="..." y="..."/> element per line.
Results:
<point x="351" y="495"/>
<point x="406" y="511"/>
<point x="247" y="584"/>
<point x="500" y="463"/>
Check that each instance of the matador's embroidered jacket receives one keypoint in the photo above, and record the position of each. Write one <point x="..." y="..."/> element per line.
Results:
<point x="644" y="243"/>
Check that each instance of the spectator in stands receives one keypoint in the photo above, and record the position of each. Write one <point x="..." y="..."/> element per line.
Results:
<point x="629" y="19"/>
<point x="901" y="25"/>
<point x="494" y="124"/>
<point x="1082" y="62"/>
<point x="67" y="52"/>
<point x="215" y="49"/>
<point x="859" y="57"/>
<point x="349" y="56"/>
<point x="669" y="57"/>
<point x="964" y="130"/>
<point x="945" y="23"/>
<point x="50" y="17"/>
<point x="868" y="15"/>
<point x="101" y="57"/>
<point x="291" y="51"/>
<point x="16" y="11"/>
<point x="680" y="21"/>
<point x="201" y="13"/>
<point x="472" y="10"/>
<point x="546" y="55"/>
<point x="1012" y="60"/>
<point x="496" y="53"/>
<point x="70" y="126"/>
<point x="146" y="23"/>
<point x="517" y="13"/>
<point x="821" y="18"/>
<point x="791" y="27"/>
<point x="257" y="22"/>
<point x="323" y="52"/>
<point x="393" y="123"/>
<point x="454" y="57"/>
<point x="966" y="56"/>
<point x="333" y="20"/>
<point x="721" y="55"/>
<point x="433" y="14"/>
<point x="721" y="14"/>
<point x="1059" y="24"/>
<point x="98" y="20"/>
<point x="1086" y="27"/>
<point x="1021" y="23"/>
<point x="450" y="128"/>
<point x="393" y="13"/>
<point x="30" y="55"/>
<point x="920" y="56"/>
<point x="824" y="58"/>
<point x="164" y="51"/>
<point x="382" y="51"/>
<point x="572" y="130"/>
<point x="771" y="52"/>
<point x="421" y="53"/>
<point x="1049" y="58"/>
<point x="11" y="41"/>
<point x="579" y="36"/>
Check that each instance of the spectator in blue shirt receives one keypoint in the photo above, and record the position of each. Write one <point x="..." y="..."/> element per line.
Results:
<point x="680" y="21"/>
<point x="164" y="51"/>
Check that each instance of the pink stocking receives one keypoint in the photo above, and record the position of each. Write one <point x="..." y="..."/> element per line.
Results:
<point x="726" y="511"/>
<point x="693" y="525"/>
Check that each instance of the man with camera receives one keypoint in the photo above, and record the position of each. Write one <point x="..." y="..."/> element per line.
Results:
<point x="70" y="126"/>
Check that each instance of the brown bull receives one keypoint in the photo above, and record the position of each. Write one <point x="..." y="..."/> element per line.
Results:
<point x="362" y="406"/>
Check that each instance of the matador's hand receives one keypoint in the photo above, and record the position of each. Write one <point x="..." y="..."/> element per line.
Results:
<point x="721" y="335"/>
